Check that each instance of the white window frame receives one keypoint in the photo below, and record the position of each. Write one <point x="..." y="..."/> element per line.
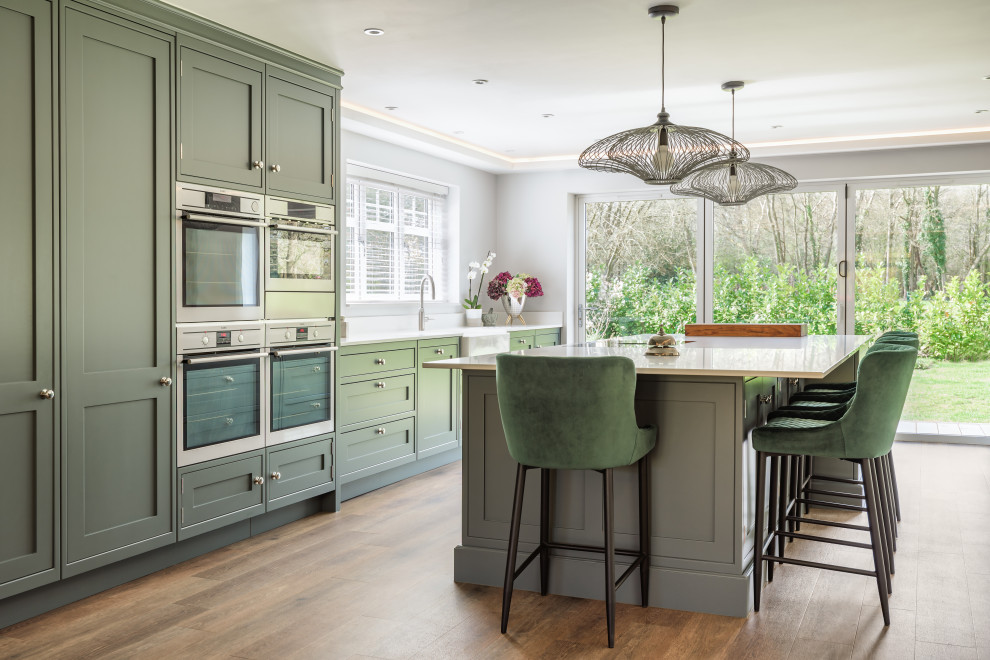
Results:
<point x="438" y="236"/>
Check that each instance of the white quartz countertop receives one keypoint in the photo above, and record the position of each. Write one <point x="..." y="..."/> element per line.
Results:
<point x="430" y="333"/>
<point x="814" y="356"/>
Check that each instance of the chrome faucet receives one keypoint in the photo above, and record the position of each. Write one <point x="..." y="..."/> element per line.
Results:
<point x="433" y="293"/>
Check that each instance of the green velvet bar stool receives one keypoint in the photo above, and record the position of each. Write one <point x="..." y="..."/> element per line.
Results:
<point x="864" y="432"/>
<point x="563" y="413"/>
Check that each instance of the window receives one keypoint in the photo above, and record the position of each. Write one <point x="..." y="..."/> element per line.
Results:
<point x="395" y="237"/>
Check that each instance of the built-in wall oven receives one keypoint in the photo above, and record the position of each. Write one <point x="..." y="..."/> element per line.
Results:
<point x="301" y="379"/>
<point x="222" y="378"/>
<point x="219" y="239"/>
<point x="299" y="274"/>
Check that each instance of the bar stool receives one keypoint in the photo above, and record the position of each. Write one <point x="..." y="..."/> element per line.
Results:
<point x="562" y="413"/>
<point x="863" y="432"/>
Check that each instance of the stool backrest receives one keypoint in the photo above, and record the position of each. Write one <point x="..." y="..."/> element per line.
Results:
<point x="568" y="412"/>
<point x="906" y="340"/>
<point x="870" y="422"/>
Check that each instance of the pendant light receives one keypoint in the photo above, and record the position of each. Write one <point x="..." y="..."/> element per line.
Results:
<point x="737" y="182"/>
<point x="662" y="153"/>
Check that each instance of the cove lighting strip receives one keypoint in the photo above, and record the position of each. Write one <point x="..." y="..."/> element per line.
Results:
<point x="549" y="159"/>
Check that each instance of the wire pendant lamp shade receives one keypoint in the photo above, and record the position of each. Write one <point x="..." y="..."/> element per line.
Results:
<point x="737" y="182"/>
<point x="662" y="153"/>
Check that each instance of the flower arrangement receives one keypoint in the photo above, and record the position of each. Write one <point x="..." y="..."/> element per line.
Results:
<point x="474" y="270"/>
<point x="504" y="284"/>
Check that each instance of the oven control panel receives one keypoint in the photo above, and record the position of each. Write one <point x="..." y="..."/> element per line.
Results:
<point x="216" y="336"/>
<point x="205" y="198"/>
<point x="301" y="332"/>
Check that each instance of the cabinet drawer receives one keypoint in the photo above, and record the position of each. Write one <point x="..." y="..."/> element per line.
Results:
<point x="370" y="399"/>
<point x="219" y="495"/>
<point x="376" y="362"/>
<point x="544" y="339"/>
<point x="296" y="471"/>
<point x="369" y="450"/>
<point x="521" y="340"/>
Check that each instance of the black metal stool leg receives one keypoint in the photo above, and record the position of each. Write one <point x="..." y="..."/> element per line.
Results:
<point x="761" y="499"/>
<point x="783" y="489"/>
<point x="544" y="530"/>
<point x="886" y="510"/>
<point x="510" y="560"/>
<point x="644" y="529"/>
<point x="886" y="551"/>
<point x="893" y="484"/>
<point x="891" y="507"/>
<point x="761" y="473"/>
<point x="608" y="505"/>
<point x="797" y="475"/>
<point x="875" y="540"/>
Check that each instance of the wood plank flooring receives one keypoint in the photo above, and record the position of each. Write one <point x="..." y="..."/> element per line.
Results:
<point x="374" y="581"/>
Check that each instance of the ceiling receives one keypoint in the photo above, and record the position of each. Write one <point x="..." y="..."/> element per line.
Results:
<point x="819" y="75"/>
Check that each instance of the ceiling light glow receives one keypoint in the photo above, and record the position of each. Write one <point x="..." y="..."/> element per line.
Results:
<point x="374" y="32"/>
<point x="480" y="81"/>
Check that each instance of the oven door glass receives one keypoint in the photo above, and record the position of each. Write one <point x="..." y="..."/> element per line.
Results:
<point x="222" y="402"/>
<point x="220" y="265"/>
<point x="302" y="387"/>
<point x="299" y="255"/>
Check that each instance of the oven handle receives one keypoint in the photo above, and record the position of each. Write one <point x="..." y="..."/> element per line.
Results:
<point x="221" y="358"/>
<point x="307" y="230"/>
<point x="222" y="221"/>
<point x="303" y="351"/>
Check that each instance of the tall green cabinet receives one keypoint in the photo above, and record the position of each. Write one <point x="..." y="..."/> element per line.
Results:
<point x="116" y="219"/>
<point x="28" y="553"/>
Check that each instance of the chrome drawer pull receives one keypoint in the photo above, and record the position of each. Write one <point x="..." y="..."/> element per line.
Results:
<point x="229" y="421"/>
<point x="380" y="431"/>
<point x="380" y="361"/>
<point x="317" y="404"/>
<point x="380" y="385"/>
<point x="316" y="370"/>
<point x="439" y="351"/>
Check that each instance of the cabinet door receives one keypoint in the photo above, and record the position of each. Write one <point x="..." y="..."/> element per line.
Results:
<point x="27" y="439"/>
<point x="521" y="340"/>
<point x="544" y="339"/>
<point x="437" y="423"/>
<point x="118" y="475"/>
<point x="299" y="472"/>
<point x="220" y="494"/>
<point x="370" y="450"/>
<point x="300" y="140"/>
<point x="220" y="119"/>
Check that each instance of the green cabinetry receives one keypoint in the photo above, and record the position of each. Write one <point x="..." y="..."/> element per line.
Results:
<point x="523" y="339"/>
<point x="438" y="402"/>
<point x="227" y="101"/>
<point x="221" y="492"/>
<point x="28" y="554"/>
<point x="117" y="218"/>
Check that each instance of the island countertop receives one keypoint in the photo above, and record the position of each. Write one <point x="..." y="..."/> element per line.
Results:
<point x="813" y="356"/>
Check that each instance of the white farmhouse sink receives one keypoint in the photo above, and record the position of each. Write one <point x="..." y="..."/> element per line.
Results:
<point x="484" y="342"/>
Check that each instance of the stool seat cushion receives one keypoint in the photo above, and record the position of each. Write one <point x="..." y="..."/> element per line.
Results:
<point x="571" y="413"/>
<point x="866" y="428"/>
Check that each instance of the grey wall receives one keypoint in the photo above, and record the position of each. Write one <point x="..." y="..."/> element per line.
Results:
<point x="473" y="193"/>
<point x="535" y="210"/>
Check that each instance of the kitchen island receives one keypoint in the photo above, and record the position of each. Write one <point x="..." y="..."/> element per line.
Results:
<point x="704" y="403"/>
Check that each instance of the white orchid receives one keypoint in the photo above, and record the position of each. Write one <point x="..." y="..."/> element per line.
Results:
<point x="484" y="269"/>
<point x="474" y="269"/>
<point x="473" y="264"/>
<point x="473" y="274"/>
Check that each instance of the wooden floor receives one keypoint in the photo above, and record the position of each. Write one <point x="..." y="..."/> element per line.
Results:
<point x="375" y="581"/>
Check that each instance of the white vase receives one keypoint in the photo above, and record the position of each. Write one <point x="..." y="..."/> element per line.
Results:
<point x="513" y="308"/>
<point x="472" y="318"/>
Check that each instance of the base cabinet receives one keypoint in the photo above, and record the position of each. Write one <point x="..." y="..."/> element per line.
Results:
<point x="117" y="470"/>
<point x="226" y="490"/>
<point x="438" y="424"/>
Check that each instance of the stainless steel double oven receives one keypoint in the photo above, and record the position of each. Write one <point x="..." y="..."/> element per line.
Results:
<point x="254" y="368"/>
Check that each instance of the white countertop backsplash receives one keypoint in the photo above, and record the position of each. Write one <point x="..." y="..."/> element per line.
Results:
<point x="374" y="329"/>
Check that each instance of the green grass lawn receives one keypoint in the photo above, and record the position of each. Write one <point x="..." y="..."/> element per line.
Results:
<point x="949" y="392"/>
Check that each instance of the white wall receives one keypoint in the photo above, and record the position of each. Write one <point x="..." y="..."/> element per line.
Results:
<point x="536" y="214"/>
<point x="472" y="191"/>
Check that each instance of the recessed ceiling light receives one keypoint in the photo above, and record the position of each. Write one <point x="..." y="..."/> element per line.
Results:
<point x="777" y="126"/>
<point x="391" y="107"/>
<point x="986" y="77"/>
<point x="374" y="32"/>
<point x="547" y="115"/>
<point x="480" y="81"/>
<point x="980" y="112"/>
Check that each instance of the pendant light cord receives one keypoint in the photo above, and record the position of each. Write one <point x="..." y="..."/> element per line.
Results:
<point x="733" y="117"/>
<point x="663" y="61"/>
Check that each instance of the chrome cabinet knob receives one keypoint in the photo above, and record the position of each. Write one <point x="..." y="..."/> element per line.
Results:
<point x="165" y="381"/>
<point x="317" y="405"/>
<point x="259" y="480"/>
<point x="380" y="361"/>
<point x="259" y="164"/>
<point x="521" y="341"/>
<point x="439" y="351"/>
<point x="47" y="394"/>
<point x="316" y="369"/>
<point x="380" y="431"/>
<point x="276" y="168"/>
<point x="276" y="475"/>
<point x="229" y="421"/>
<point x="380" y="385"/>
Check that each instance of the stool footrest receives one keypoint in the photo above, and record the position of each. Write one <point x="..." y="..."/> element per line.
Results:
<point x="840" y="480"/>
<point x="590" y="548"/>
<point x="640" y="562"/>
<point x="834" y="505"/>
<point x="815" y="564"/>
<point x="830" y="523"/>
<point x="835" y="493"/>
<point x="822" y="539"/>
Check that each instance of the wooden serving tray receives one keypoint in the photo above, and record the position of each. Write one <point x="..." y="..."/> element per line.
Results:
<point x="746" y="329"/>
